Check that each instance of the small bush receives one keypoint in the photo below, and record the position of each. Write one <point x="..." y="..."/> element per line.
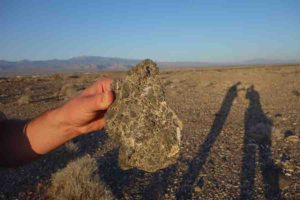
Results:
<point x="68" y="91"/>
<point x="23" y="100"/>
<point x="296" y="93"/>
<point x="71" y="147"/>
<point x="57" y="77"/>
<point x="28" y="89"/>
<point x="167" y="82"/>
<point x="78" y="180"/>
<point x="73" y="76"/>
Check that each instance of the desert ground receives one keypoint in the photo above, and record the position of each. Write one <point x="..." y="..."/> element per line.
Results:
<point x="240" y="138"/>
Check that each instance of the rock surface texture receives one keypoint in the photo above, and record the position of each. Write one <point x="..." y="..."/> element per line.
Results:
<point x="141" y="121"/>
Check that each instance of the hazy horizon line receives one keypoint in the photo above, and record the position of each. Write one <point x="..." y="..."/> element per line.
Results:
<point x="161" y="61"/>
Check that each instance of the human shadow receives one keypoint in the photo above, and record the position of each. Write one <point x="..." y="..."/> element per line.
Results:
<point x="257" y="137"/>
<point x="196" y="165"/>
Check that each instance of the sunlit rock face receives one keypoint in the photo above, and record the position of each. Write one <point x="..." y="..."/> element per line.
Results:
<point x="141" y="121"/>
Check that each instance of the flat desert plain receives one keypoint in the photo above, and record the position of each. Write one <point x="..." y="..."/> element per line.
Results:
<point x="240" y="138"/>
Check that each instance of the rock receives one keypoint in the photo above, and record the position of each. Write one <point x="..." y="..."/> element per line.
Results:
<point x="284" y="181"/>
<point x="140" y="120"/>
<point x="289" y="133"/>
<point x="284" y="119"/>
<point x="293" y="138"/>
<point x="198" y="189"/>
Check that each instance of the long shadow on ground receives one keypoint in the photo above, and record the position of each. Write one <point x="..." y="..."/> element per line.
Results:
<point x="196" y="165"/>
<point x="257" y="137"/>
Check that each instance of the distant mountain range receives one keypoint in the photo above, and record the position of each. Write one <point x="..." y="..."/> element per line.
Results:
<point x="96" y="63"/>
<point x="81" y="63"/>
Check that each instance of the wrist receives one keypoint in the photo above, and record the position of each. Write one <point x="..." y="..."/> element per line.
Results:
<point x="61" y="123"/>
<point x="48" y="131"/>
<point x="53" y="122"/>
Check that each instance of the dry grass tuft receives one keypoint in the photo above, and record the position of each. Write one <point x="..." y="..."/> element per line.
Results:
<point x="296" y="93"/>
<point x="78" y="180"/>
<point x="23" y="100"/>
<point x="28" y="89"/>
<point x="72" y="147"/>
<point x="73" y="76"/>
<point x="68" y="91"/>
<point x="57" y="77"/>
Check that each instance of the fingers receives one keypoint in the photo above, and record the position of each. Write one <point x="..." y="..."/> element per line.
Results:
<point x="106" y="84"/>
<point x="100" y="86"/>
<point x="97" y="102"/>
<point x="96" y="125"/>
<point x="93" y="126"/>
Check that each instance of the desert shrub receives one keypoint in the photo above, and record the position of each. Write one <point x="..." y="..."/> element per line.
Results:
<point x="28" y="89"/>
<point x="24" y="99"/>
<point x="68" y="91"/>
<point x="167" y="82"/>
<point x="71" y="147"/>
<point x="78" y="180"/>
<point x="296" y="93"/>
<point x="73" y="76"/>
<point x="57" y="77"/>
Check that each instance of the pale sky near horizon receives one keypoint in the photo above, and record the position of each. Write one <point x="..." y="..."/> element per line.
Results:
<point x="213" y="31"/>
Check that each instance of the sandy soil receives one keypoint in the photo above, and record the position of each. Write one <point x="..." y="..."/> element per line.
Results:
<point x="240" y="138"/>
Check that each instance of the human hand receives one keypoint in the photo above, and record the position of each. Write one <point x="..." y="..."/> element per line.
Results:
<point x="85" y="112"/>
<point x="82" y="114"/>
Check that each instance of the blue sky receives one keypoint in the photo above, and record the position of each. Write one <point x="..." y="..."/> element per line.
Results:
<point x="183" y="30"/>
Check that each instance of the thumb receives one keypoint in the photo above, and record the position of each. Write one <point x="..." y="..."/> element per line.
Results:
<point x="98" y="101"/>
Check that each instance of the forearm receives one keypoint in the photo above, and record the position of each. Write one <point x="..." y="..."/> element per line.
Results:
<point x="21" y="143"/>
<point x="48" y="131"/>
